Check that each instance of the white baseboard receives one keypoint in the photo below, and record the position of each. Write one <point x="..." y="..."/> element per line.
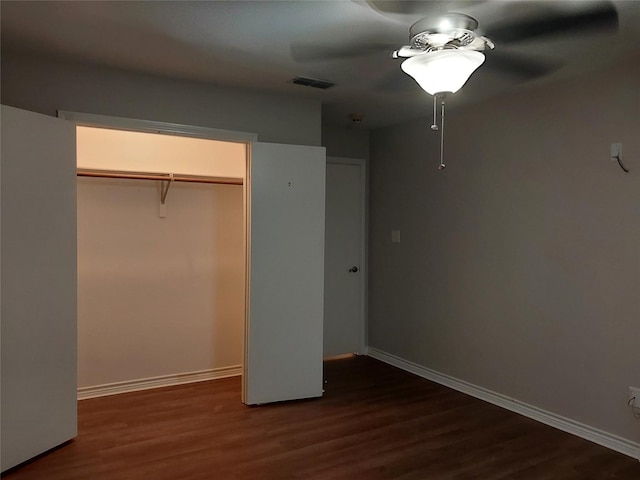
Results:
<point x="619" y="444"/>
<point x="156" y="382"/>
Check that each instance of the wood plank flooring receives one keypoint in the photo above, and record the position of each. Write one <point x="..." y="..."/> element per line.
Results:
<point x="374" y="422"/>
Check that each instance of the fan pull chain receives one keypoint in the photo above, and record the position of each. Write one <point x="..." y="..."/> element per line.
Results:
<point x="442" y="165"/>
<point x="434" y="126"/>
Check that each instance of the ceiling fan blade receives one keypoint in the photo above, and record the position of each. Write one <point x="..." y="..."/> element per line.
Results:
<point x="600" y="17"/>
<point x="397" y="82"/>
<point x="519" y="67"/>
<point x="419" y="7"/>
<point x="315" y="53"/>
<point x="406" y="7"/>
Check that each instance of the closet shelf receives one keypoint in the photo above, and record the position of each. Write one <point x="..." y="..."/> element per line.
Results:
<point x="167" y="177"/>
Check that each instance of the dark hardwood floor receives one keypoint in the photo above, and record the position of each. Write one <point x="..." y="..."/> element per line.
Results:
<point x="374" y="422"/>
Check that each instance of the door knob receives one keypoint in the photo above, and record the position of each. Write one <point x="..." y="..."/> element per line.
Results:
<point x="353" y="269"/>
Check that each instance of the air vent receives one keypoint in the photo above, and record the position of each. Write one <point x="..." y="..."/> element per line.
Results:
<point x="312" y="82"/>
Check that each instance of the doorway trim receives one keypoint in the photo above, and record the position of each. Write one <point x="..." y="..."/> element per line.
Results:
<point x="364" y="195"/>
<point x="152" y="126"/>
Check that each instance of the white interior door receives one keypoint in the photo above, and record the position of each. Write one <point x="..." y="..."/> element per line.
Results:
<point x="344" y="260"/>
<point x="38" y="284"/>
<point x="283" y="355"/>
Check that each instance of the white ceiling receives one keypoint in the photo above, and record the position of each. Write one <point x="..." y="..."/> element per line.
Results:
<point x="264" y="44"/>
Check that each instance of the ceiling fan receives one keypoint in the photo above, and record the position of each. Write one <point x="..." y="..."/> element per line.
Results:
<point x="445" y="48"/>
<point x="510" y="26"/>
<point x="451" y="30"/>
<point x="443" y="52"/>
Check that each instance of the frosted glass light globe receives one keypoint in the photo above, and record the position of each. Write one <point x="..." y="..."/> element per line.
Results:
<point x="443" y="71"/>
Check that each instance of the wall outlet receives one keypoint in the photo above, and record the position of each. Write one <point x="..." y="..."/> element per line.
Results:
<point x="634" y="393"/>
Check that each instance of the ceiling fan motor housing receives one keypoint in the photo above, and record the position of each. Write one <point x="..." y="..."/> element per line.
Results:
<point x="450" y="31"/>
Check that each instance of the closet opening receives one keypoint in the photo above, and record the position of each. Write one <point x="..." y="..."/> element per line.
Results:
<point x="161" y="259"/>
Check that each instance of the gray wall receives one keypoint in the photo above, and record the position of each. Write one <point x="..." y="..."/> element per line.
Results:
<point x="43" y="85"/>
<point x="519" y="267"/>
<point x="141" y="318"/>
<point x="346" y="142"/>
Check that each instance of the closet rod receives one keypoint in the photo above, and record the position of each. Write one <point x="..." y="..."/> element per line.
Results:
<point x="84" y="172"/>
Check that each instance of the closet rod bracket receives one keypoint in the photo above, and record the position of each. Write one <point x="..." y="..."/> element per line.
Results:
<point x="164" y="188"/>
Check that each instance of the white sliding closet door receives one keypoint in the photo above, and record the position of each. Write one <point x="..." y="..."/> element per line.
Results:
<point x="38" y="284"/>
<point x="285" y="322"/>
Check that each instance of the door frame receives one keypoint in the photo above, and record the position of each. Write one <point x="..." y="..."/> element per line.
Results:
<point x="152" y="126"/>
<point x="364" y="239"/>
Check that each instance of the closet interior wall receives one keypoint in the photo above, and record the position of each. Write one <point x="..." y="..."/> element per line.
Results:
<point x="158" y="296"/>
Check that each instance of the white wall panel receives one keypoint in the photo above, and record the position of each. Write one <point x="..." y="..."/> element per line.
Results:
<point x="284" y="349"/>
<point x="38" y="285"/>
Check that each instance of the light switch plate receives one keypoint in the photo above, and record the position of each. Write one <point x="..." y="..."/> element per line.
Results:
<point x="395" y="236"/>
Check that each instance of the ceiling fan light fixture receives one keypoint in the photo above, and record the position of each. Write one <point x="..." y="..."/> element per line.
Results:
<point x="443" y="71"/>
